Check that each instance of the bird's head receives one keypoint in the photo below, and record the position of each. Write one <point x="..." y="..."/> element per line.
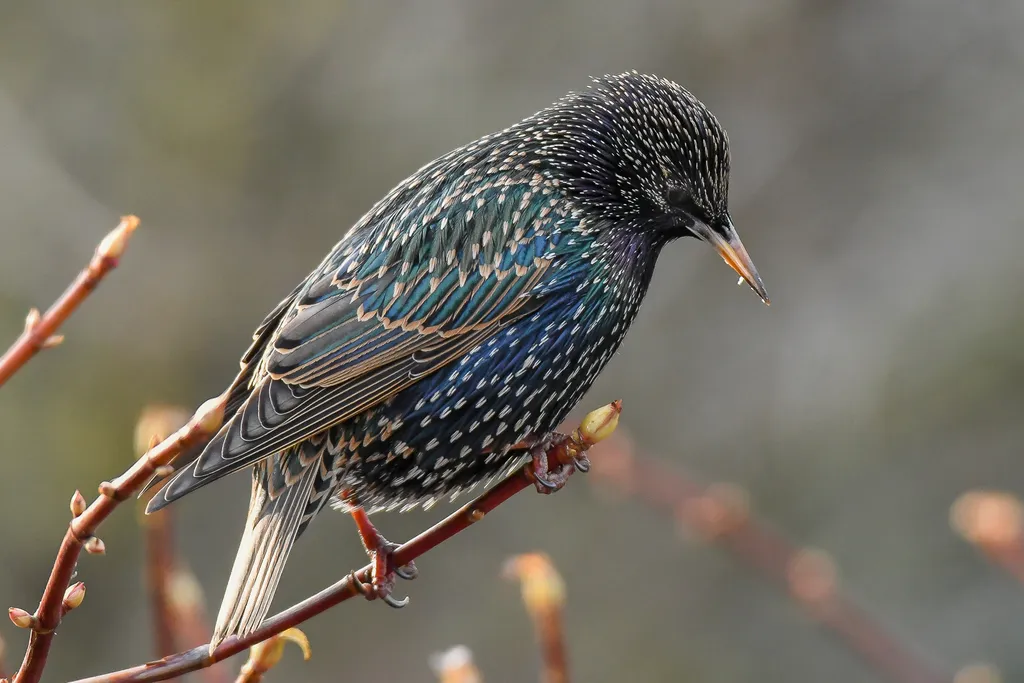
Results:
<point x="644" y="154"/>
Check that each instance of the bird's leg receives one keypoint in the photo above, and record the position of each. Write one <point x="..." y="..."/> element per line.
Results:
<point x="381" y="552"/>
<point x="547" y="480"/>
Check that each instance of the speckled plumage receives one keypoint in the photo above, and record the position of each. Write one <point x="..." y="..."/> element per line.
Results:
<point x="468" y="311"/>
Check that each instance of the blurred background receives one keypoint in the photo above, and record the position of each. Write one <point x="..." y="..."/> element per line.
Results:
<point x="878" y="151"/>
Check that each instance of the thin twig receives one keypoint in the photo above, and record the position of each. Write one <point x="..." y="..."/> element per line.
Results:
<point x="597" y="426"/>
<point x="41" y="330"/>
<point x="81" y="533"/>
<point x="720" y="513"/>
<point x="544" y="597"/>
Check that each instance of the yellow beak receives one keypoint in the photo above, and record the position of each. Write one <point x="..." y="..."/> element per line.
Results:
<point x="728" y="245"/>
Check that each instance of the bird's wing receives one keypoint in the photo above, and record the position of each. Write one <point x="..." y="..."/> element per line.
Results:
<point x="394" y="302"/>
<point x="240" y="388"/>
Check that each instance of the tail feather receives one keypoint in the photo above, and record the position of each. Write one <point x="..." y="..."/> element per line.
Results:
<point x="270" y="533"/>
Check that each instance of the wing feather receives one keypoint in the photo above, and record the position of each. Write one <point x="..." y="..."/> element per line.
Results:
<point x="241" y="387"/>
<point x="394" y="302"/>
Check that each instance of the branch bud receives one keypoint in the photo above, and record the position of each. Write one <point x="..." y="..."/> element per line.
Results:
<point x="94" y="546"/>
<point x="22" y="619"/>
<point x="113" y="245"/>
<point x="599" y="424"/>
<point x="210" y="415"/>
<point x="163" y="471"/>
<point x="32" y="319"/>
<point x="78" y="504"/>
<point x="73" y="596"/>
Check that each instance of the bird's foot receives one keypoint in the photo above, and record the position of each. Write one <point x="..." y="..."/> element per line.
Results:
<point x="548" y="480"/>
<point x="383" y="570"/>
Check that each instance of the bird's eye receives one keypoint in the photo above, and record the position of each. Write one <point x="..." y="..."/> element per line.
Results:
<point x="679" y="197"/>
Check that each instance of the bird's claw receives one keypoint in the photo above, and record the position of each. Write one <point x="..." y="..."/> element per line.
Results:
<point x="370" y="592"/>
<point x="408" y="572"/>
<point x="582" y="463"/>
<point x="546" y="480"/>
<point x="391" y="601"/>
<point x="382" y="562"/>
<point x="383" y="573"/>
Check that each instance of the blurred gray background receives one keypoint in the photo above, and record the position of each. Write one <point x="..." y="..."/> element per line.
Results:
<point x="878" y="152"/>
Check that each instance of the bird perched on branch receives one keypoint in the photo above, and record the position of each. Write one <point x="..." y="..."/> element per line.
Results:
<point x="457" y="323"/>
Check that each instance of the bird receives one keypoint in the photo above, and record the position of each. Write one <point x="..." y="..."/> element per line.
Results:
<point x="455" y="325"/>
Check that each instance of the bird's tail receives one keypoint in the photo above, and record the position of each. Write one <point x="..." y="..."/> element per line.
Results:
<point x="270" y="532"/>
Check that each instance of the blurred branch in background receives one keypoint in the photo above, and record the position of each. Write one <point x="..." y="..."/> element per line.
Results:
<point x="188" y="610"/>
<point x="994" y="522"/>
<point x="544" y="597"/>
<point x="720" y="513"/>
<point x="155" y="424"/>
<point x="175" y="598"/>
<point x="159" y="577"/>
<point x="41" y="329"/>
<point x="595" y="427"/>
<point x="456" y="666"/>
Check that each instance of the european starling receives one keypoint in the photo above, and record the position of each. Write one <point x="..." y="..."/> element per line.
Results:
<point x="458" y="322"/>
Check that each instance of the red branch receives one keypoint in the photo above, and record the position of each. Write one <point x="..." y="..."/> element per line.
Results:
<point x="596" y="426"/>
<point x="40" y="331"/>
<point x="719" y="513"/>
<point x="82" y="529"/>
